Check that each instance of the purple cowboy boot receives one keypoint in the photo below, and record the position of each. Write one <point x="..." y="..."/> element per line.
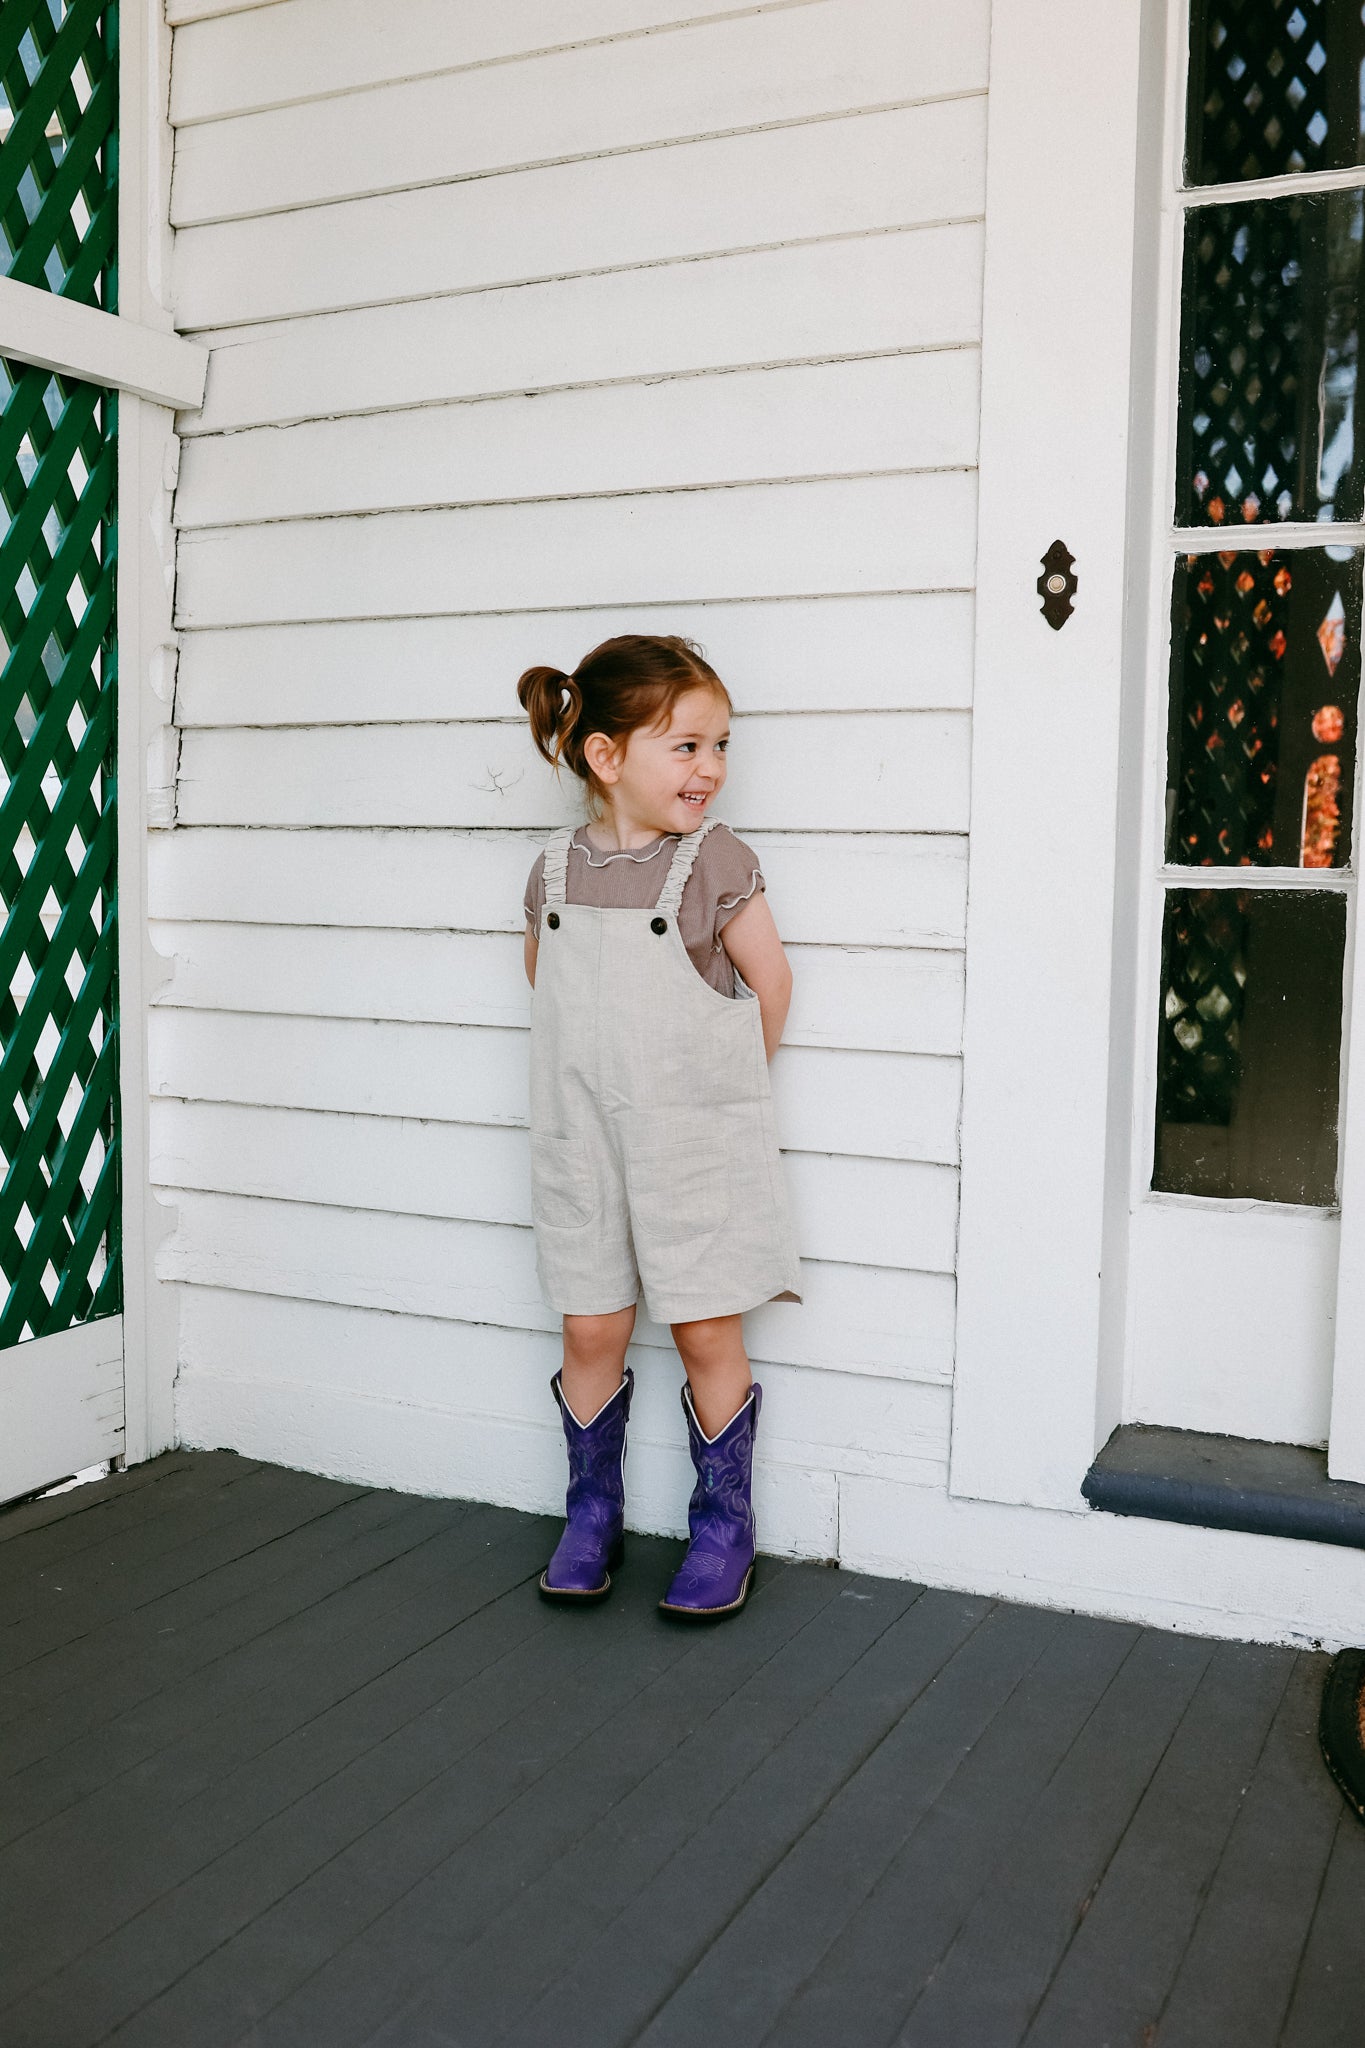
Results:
<point x="715" y="1575"/>
<point x="596" y="1500"/>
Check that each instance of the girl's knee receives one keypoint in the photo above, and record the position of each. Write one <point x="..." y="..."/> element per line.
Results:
<point x="710" y="1340"/>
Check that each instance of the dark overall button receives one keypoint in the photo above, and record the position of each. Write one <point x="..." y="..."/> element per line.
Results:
<point x="658" y="924"/>
<point x="553" y="920"/>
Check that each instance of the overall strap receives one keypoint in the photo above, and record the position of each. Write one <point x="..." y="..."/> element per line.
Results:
<point x="684" y="855"/>
<point x="557" y="866"/>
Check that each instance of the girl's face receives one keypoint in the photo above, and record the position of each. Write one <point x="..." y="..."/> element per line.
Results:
<point x="665" y="779"/>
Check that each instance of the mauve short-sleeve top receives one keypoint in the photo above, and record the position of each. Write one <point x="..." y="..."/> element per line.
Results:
<point x="724" y="876"/>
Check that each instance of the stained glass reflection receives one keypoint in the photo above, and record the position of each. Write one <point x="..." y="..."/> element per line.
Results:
<point x="1265" y="676"/>
<point x="1250" y="1050"/>
<point x="1268" y="362"/>
<point x="1274" y="88"/>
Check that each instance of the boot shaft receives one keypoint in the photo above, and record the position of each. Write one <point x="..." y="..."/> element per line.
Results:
<point x="721" y="1498"/>
<point x="597" y="1449"/>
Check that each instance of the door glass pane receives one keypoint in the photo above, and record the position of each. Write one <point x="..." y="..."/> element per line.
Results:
<point x="1274" y="88"/>
<point x="1268" y="362"/>
<point x="1265" y="676"/>
<point x="1250" y="1050"/>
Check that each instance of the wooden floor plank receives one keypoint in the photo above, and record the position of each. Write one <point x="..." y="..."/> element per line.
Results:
<point x="126" y="1642"/>
<point x="218" y="1760"/>
<point x="53" y="1524"/>
<point x="321" y="1784"/>
<point x="98" y="1537"/>
<point x="1238" y="1973"/>
<point x="1327" y="2009"/>
<point x="207" y="1575"/>
<point x="1117" y="1973"/>
<point x="120" y="1577"/>
<point x="828" y="1948"/>
<point x="988" y="1983"/>
<point x="344" y="1780"/>
<point x="290" y="1664"/>
<point x="840" y="1759"/>
<point x="383" y="1918"/>
<point x="657" y="1879"/>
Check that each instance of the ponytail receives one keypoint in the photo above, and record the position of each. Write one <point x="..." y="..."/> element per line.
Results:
<point x="552" y="702"/>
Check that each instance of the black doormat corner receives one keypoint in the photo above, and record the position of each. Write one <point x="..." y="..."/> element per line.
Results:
<point x="1341" y="1725"/>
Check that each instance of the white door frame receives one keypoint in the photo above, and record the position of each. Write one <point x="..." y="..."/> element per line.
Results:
<point x="1067" y="357"/>
<point x="1078" y="339"/>
<point x="136" y="353"/>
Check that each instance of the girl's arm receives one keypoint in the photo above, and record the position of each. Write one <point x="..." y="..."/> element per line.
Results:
<point x="532" y="948"/>
<point x="750" y="938"/>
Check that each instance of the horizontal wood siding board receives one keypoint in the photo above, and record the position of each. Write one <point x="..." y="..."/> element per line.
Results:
<point x="867" y="889"/>
<point x="857" y="998"/>
<point x="897" y="771"/>
<point x="867" y="535"/>
<point x="744" y="71"/>
<point x="793" y="654"/>
<point x="876" y="1104"/>
<point x="882" y="413"/>
<point x="854" y="1317"/>
<point x="875" y="1211"/>
<point x="313" y="47"/>
<point x="820" y="1420"/>
<point x="837" y="177"/>
<point x="862" y="295"/>
<point x="179" y="12"/>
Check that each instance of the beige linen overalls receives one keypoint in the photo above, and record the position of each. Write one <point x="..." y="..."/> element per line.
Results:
<point x="653" y="1149"/>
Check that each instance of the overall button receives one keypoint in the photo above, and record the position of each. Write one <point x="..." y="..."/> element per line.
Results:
<point x="553" y="920"/>
<point x="658" y="924"/>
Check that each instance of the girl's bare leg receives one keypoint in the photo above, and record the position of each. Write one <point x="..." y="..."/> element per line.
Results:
<point x="717" y="1365"/>
<point x="594" y="1359"/>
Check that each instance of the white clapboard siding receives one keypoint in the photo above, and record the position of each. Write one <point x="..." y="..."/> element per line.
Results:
<point x="795" y="654"/>
<point x="306" y="48"/>
<point x="919" y="288"/>
<point x="853" y="1318"/>
<point x="897" y="771"/>
<point x="880" y="1105"/>
<point x="855" y="1422"/>
<point x="849" y="175"/>
<point x="831" y="419"/>
<point x="870" y="889"/>
<point x="765" y="540"/>
<point x="750" y="70"/>
<point x="178" y="11"/>
<point x="872" y="1211"/>
<point x="857" y="998"/>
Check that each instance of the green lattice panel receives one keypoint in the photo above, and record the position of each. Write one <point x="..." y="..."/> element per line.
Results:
<point x="58" y="146"/>
<point x="59" y="1251"/>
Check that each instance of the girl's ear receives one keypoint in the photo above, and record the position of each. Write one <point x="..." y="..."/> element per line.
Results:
<point x="604" y="757"/>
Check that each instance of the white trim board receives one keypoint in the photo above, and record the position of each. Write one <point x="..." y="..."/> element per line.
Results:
<point x="102" y="348"/>
<point x="1057" y="363"/>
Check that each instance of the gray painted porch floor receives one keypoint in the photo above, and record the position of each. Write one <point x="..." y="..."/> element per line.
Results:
<point x="303" y="1765"/>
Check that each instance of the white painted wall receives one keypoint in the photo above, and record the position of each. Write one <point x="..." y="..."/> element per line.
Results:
<point x="532" y="321"/>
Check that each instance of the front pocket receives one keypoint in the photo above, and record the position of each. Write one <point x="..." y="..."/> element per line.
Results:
<point x="679" y="1189"/>
<point x="561" y="1183"/>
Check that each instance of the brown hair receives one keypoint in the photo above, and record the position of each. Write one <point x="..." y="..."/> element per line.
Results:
<point x="624" y="685"/>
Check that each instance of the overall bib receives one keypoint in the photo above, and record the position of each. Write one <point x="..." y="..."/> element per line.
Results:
<point x="654" y="1155"/>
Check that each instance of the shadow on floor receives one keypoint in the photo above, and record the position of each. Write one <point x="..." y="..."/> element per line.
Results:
<point x="296" y="1764"/>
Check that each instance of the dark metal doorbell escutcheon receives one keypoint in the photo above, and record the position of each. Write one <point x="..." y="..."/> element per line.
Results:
<point x="1057" y="584"/>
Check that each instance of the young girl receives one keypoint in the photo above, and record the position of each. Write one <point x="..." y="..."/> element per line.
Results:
<point x="660" y="993"/>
